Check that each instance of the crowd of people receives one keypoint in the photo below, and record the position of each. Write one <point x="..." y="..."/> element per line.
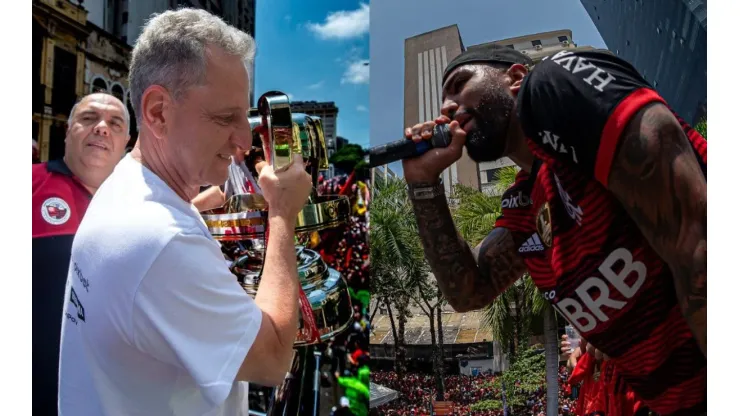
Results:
<point x="416" y="392"/>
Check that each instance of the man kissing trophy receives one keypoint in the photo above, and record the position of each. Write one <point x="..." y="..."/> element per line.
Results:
<point x="241" y="228"/>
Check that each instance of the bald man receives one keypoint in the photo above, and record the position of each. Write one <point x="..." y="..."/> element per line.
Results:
<point x="96" y="139"/>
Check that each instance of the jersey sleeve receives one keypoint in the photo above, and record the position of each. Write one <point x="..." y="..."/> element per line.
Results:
<point x="574" y="106"/>
<point x="190" y="311"/>
<point x="516" y="207"/>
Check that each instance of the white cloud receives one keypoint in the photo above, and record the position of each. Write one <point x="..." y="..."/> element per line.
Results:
<point x="344" y="24"/>
<point x="361" y="108"/>
<point x="316" y="86"/>
<point x="358" y="72"/>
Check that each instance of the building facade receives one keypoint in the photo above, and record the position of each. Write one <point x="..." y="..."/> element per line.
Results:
<point x="666" y="41"/>
<point x="426" y="57"/>
<point x="328" y="112"/>
<point x="60" y="33"/>
<point x="125" y="18"/>
<point x="84" y="47"/>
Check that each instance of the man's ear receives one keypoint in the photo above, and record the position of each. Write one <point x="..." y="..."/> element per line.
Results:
<point x="516" y="73"/>
<point x="156" y="103"/>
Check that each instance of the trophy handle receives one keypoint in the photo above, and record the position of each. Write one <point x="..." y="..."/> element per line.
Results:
<point x="282" y="142"/>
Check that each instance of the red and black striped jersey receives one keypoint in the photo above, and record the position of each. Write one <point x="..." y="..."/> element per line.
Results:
<point x="59" y="202"/>
<point x="587" y="256"/>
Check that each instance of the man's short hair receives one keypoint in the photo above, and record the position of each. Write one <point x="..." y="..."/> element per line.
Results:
<point x="126" y="115"/>
<point x="171" y="51"/>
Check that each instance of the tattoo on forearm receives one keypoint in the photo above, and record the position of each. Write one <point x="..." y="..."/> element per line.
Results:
<point x="467" y="285"/>
<point x="657" y="178"/>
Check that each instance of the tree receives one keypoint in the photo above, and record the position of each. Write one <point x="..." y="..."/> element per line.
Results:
<point x="400" y="272"/>
<point x="397" y="263"/>
<point x="512" y="313"/>
<point x="350" y="157"/>
<point x="701" y="127"/>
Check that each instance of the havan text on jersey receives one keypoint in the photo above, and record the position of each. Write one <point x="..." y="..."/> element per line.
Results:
<point x="594" y="76"/>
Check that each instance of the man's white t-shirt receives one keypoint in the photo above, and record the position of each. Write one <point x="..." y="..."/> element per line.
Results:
<point x="154" y="323"/>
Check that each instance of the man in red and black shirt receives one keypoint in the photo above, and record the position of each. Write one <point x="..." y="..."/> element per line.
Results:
<point x="608" y="213"/>
<point x="62" y="189"/>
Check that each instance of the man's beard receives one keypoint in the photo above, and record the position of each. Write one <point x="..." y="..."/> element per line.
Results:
<point x="487" y="141"/>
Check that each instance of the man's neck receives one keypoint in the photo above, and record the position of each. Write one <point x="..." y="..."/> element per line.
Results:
<point x="151" y="158"/>
<point x="519" y="152"/>
<point x="90" y="179"/>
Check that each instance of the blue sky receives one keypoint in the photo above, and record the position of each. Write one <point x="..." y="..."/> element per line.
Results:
<point x="317" y="50"/>
<point x="392" y="21"/>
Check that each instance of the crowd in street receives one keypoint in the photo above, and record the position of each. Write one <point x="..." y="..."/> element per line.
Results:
<point x="415" y="391"/>
<point x="346" y="250"/>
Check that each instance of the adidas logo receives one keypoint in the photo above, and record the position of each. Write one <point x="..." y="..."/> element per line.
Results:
<point x="533" y="244"/>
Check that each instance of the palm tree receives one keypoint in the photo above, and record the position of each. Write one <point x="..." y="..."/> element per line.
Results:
<point x="510" y="315"/>
<point x="400" y="273"/>
<point x="397" y="261"/>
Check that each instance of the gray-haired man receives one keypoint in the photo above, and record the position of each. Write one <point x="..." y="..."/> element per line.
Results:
<point x="155" y="323"/>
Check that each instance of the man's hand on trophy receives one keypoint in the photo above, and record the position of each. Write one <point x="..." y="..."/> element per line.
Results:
<point x="286" y="192"/>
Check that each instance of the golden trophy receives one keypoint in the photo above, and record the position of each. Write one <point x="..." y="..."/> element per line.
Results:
<point x="241" y="228"/>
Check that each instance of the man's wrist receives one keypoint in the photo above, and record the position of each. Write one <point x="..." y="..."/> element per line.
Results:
<point x="419" y="191"/>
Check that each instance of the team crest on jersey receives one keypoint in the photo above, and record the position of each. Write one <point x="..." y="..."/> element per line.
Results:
<point x="544" y="224"/>
<point x="55" y="211"/>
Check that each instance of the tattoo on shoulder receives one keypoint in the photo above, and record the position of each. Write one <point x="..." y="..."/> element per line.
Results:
<point x="659" y="181"/>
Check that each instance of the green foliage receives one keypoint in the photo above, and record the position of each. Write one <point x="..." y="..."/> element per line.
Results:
<point x="474" y="213"/>
<point x="484" y="405"/>
<point x="398" y="263"/>
<point x="701" y="127"/>
<point x="527" y="369"/>
<point x="348" y="158"/>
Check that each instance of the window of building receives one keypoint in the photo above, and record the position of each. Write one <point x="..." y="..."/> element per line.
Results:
<point x="628" y="43"/>
<point x="65" y="72"/>
<point x="39" y="90"/>
<point x="490" y="175"/>
<point x="536" y="43"/>
<point x="99" y="85"/>
<point x="562" y="38"/>
<point x="117" y="91"/>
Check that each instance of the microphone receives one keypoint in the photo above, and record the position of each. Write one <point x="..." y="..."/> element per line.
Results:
<point x="406" y="148"/>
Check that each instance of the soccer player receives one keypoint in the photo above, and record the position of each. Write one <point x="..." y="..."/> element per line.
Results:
<point x="608" y="213"/>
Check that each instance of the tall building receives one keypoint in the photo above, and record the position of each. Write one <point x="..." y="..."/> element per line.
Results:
<point x="125" y="18"/>
<point x="426" y="57"/>
<point x="327" y="111"/>
<point x="666" y="41"/>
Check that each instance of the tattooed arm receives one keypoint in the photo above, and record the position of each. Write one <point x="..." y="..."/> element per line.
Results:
<point x="468" y="279"/>
<point x="658" y="180"/>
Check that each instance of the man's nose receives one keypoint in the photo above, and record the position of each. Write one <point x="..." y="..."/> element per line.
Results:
<point x="449" y="107"/>
<point x="102" y="129"/>
<point x="242" y="137"/>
